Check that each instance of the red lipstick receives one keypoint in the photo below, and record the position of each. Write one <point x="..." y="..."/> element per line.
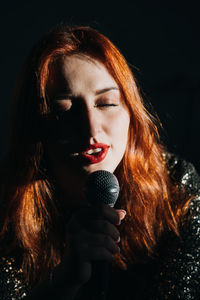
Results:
<point x="95" y="153"/>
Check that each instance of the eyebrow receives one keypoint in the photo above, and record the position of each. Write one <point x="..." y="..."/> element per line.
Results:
<point x="67" y="93"/>
<point x="101" y="91"/>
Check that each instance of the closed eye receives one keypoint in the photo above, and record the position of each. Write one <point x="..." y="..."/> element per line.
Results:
<point x="105" y="104"/>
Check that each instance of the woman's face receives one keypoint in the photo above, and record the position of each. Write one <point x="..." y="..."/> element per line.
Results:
<point x="92" y="120"/>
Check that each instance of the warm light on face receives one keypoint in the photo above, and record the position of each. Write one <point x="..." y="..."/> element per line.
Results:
<point x="92" y="117"/>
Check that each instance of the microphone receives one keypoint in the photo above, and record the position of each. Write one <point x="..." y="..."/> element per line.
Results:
<point x="101" y="187"/>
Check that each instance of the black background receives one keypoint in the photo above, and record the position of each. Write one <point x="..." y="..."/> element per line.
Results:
<point x="159" y="39"/>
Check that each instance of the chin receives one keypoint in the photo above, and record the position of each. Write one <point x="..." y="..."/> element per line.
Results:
<point x="101" y="166"/>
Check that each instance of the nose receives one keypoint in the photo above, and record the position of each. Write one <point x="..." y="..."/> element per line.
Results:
<point x="91" y="123"/>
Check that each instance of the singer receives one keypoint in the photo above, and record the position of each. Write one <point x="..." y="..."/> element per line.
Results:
<point x="77" y="110"/>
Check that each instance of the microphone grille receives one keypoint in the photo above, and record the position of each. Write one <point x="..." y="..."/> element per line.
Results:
<point x="102" y="186"/>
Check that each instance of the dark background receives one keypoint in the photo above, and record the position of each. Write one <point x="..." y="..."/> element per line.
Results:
<point x="159" y="39"/>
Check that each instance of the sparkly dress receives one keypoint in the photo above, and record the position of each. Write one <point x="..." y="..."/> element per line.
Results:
<point x="173" y="274"/>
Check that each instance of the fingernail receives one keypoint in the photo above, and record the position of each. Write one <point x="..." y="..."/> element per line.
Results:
<point x="122" y="213"/>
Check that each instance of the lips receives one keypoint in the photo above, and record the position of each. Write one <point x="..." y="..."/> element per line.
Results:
<point x="94" y="153"/>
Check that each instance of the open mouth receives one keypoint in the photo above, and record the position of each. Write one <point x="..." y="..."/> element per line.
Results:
<point x="94" y="153"/>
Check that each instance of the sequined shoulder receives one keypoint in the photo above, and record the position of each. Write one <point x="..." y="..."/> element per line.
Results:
<point x="183" y="173"/>
<point x="11" y="282"/>
<point x="177" y="268"/>
<point x="178" y="275"/>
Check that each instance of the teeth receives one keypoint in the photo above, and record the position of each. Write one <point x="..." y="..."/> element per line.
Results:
<point x="74" y="154"/>
<point x="97" y="150"/>
<point x="91" y="151"/>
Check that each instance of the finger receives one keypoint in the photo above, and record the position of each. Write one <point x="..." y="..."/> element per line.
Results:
<point x="104" y="227"/>
<point x="103" y="240"/>
<point x="106" y="212"/>
<point x="86" y="238"/>
<point x="99" y="211"/>
<point x="108" y="216"/>
<point x="121" y="213"/>
<point x="99" y="253"/>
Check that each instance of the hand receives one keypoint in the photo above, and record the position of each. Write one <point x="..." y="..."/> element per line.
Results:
<point x="91" y="235"/>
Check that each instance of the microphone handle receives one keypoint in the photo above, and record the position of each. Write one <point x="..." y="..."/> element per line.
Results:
<point x="100" y="279"/>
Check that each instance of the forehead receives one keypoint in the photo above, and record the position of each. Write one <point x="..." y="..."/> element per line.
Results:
<point x="78" y="72"/>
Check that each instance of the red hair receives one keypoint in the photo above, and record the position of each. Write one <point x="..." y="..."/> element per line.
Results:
<point x="31" y="216"/>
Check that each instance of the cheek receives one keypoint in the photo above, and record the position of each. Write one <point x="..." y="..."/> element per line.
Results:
<point x="118" y="129"/>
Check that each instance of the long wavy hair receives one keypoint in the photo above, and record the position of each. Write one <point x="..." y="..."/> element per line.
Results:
<point x="32" y="222"/>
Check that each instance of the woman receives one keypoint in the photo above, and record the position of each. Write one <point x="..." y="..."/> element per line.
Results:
<point x="77" y="110"/>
